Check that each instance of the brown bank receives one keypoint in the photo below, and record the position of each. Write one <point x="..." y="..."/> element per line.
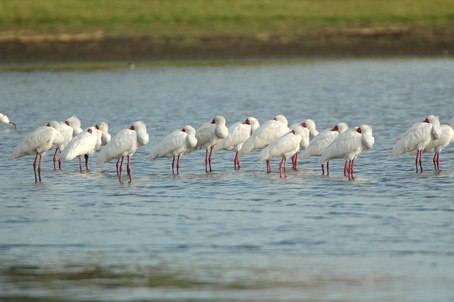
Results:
<point x="95" y="46"/>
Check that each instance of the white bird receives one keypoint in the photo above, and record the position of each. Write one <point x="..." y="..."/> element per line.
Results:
<point x="175" y="144"/>
<point x="105" y="135"/>
<point x="85" y="144"/>
<point x="208" y="135"/>
<point x="125" y="143"/>
<point x="265" y="134"/>
<point x="285" y="146"/>
<point x="38" y="143"/>
<point x="74" y="122"/>
<point x="238" y="134"/>
<point x="310" y="125"/>
<point x="321" y="142"/>
<point x="437" y="145"/>
<point x="348" y="146"/>
<point x="67" y="132"/>
<point x="5" y="120"/>
<point x="417" y="137"/>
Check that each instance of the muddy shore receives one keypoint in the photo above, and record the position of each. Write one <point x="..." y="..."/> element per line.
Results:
<point x="389" y="41"/>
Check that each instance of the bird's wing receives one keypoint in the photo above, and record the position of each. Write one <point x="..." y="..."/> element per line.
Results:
<point x="84" y="143"/>
<point x="124" y="143"/>
<point x="319" y="144"/>
<point x="281" y="146"/>
<point x="416" y="136"/>
<point x="238" y="134"/>
<point x="172" y="144"/>
<point x="345" y="143"/>
<point x="37" y="141"/>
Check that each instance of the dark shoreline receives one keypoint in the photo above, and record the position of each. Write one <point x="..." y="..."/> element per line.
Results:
<point x="225" y="47"/>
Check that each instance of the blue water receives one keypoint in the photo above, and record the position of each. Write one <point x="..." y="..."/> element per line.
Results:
<point x="230" y="235"/>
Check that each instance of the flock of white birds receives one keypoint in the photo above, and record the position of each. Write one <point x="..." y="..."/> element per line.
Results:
<point x="274" y="137"/>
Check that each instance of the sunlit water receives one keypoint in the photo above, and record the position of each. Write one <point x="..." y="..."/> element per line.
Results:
<point x="230" y="235"/>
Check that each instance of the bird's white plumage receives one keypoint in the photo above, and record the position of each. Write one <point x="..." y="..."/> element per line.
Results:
<point x="176" y="143"/>
<point x="418" y="136"/>
<point x="349" y="145"/>
<point x="265" y="134"/>
<point x="39" y="141"/>
<point x="4" y="119"/>
<point x="86" y="143"/>
<point x="286" y="145"/>
<point x="125" y="143"/>
<point x="74" y="123"/>
<point x="322" y="141"/>
<point x="66" y="132"/>
<point x="446" y="137"/>
<point x="210" y="133"/>
<point x="105" y="135"/>
<point x="238" y="134"/>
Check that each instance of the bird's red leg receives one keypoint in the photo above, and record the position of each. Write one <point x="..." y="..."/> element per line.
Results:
<point x="268" y="166"/>
<point x="209" y="158"/>
<point x="120" y="169"/>
<point x="438" y="161"/>
<point x="420" y="159"/>
<point x="80" y="164"/>
<point x="416" y="161"/>
<point x="59" y="160"/>
<point x="55" y="158"/>
<point x="434" y="160"/>
<point x="238" y="160"/>
<point x="86" y="163"/>
<point x="280" y="167"/>
<point x="285" y="167"/>
<point x="206" y="160"/>
<point x="173" y="165"/>
<point x="178" y="164"/>
<point x="236" y="164"/>
<point x="352" y="169"/>
<point x="345" y="168"/>
<point x="327" y="168"/>
<point x="128" y="169"/>
<point x="118" y="160"/>
<point x="323" y="169"/>
<point x="295" y="161"/>
<point x="39" y="167"/>
<point x="34" y="166"/>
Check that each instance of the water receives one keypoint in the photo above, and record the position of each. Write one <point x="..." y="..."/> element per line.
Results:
<point x="231" y="235"/>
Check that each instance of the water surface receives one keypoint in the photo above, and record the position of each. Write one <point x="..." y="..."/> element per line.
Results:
<point x="230" y="235"/>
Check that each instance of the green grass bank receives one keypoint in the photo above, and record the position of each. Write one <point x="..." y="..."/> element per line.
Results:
<point x="52" y="30"/>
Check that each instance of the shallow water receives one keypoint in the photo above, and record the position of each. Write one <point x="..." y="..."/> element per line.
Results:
<point x="230" y="235"/>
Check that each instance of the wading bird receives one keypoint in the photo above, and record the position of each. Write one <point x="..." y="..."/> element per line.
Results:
<point x="38" y="143"/>
<point x="265" y="134"/>
<point x="348" y="146"/>
<point x="238" y="134"/>
<point x="174" y="145"/>
<point x="417" y="138"/>
<point x="125" y="143"/>
<point x="285" y="146"/>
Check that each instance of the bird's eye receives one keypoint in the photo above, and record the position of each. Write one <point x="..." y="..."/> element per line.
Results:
<point x="336" y="128"/>
<point x="132" y="127"/>
<point x="97" y="127"/>
<point x="67" y="123"/>
<point x="427" y="120"/>
<point x="89" y="131"/>
<point x="358" y="130"/>
<point x="48" y="125"/>
<point x="183" y="130"/>
<point x="304" y="125"/>
<point x="213" y="121"/>
<point x="247" y="122"/>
